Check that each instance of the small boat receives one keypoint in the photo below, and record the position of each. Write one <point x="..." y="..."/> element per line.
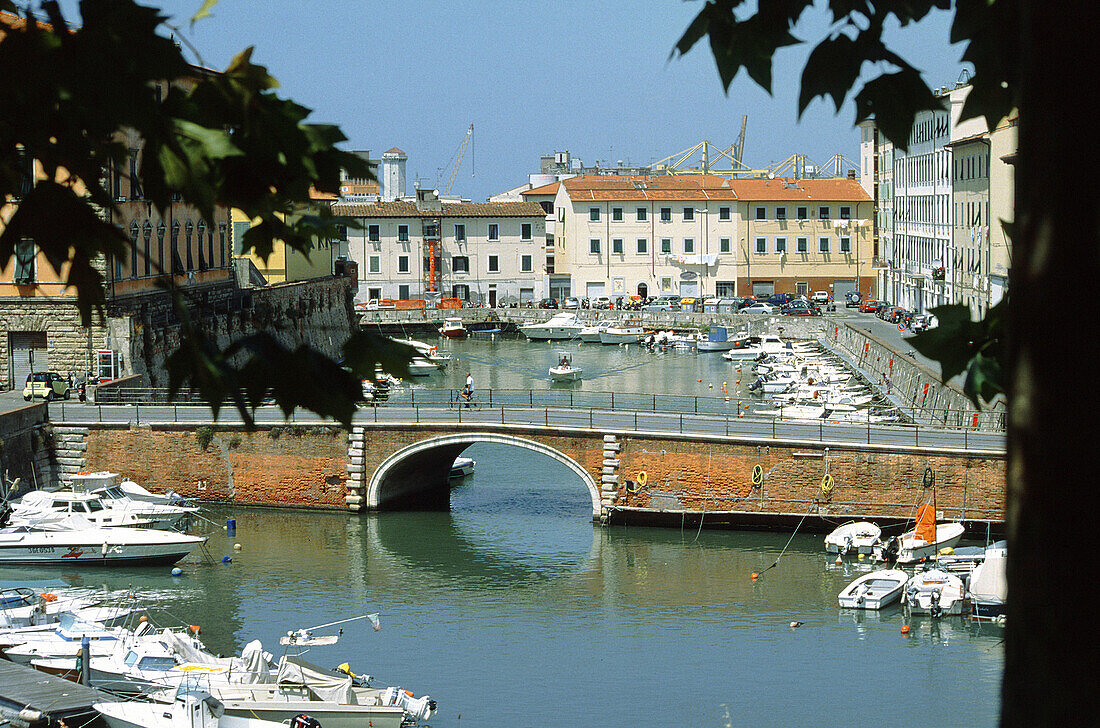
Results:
<point x="590" y="334"/>
<point x="875" y="590"/>
<point x="559" y="327"/>
<point x="92" y="482"/>
<point x="766" y="345"/>
<point x="856" y="537"/>
<point x="565" y="371"/>
<point x="76" y="542"/>
<point x="934" y="592"/>
<point x="430" y="352"/>
<point x="453" y="328"/>
<point x="922" y="542"/>
<point x="421" y="367"/>
<point x="195" y="710"/>
<point x="988" y="586"/>
<point x="625" y="334"/>
<point x="462" y="467"/>
<point x="721" y="338"/>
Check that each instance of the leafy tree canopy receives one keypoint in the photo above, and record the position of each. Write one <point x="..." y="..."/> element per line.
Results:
<point x="209" y="140"/>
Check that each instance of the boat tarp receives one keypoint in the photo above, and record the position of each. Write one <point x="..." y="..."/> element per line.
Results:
<point x="187" y="651"/>
<point x="325" y="684"/>
<point x="926" y="523"/>
<point x="256" y="663"/>
<point x="989" y="582"/>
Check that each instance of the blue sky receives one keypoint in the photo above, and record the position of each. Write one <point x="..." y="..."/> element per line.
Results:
<point x="594" y="78"/>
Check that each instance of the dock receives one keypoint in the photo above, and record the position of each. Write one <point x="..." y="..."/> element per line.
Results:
<point x="30" y="692"/>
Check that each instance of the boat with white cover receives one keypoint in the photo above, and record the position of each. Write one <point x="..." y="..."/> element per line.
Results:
<point x="923" y="542"/>
<point x="565" y="371"/>
<point x="875" y="590"/>
<point x="766" y="345"/>
<point x="988" y="586"/>
<point x="856" y="537"/>
<point x="41" y="506"/>
<point x="105" y="485"/>
<point x="559" y="327"/>
<point x="76" y="542"/>
<point x="934" y="592"/>
<point x="590" y="334"/>
<point x="421" y="367"/>
<point x="453" y="328"/>
<point x="64" y="641"/>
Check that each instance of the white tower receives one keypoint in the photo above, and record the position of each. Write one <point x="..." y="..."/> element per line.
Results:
<point x="393" y="174"/>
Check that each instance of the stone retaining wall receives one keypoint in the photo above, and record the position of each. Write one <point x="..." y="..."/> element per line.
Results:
<point x="27" y="447"/>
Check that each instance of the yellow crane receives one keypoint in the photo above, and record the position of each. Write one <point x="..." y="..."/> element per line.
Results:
<point x="457" y="160"/>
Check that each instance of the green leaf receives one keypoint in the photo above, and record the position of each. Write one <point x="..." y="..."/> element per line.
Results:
<point x="366" y="352"/>
<point x="834" y="65"/>
<point x="894" y="99"/>
<point x="975" y="347"/>
<point x="950" y="343"/>
<point x="204" y="11"/>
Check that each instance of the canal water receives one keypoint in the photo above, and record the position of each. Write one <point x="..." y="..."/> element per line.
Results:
<point x="514" y="610"/>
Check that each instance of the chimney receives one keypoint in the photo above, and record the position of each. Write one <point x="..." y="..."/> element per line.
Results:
<point x="851" y="174"/>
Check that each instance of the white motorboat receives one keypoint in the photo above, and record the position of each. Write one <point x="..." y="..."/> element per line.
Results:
<point x="76" y="542"/>
<point x="41" y="506"/>
<point x="161" y="515"/>
<point x="462" y="467"/>
<point x="988" y="586"/>
<point x="421" y="367"/>
<point x="875" y="590"/>
<point x="856" y="537"/>
<point x="195" y="710"/>
<point x="427" y="351"/>
<point x="922" y="542"/>
<point x="766" y="345"/>
<point x="565" y="371"/>
<point x="721" y="338"/>
<point x="559" y="327"/>
<point x="92" y="482"/>
<point x="64" y="641"/>
<point x="453" y="328"/>
<point x="590" y="334"/>
<point x="934" y="592"/>
<point x="624" y="334"/>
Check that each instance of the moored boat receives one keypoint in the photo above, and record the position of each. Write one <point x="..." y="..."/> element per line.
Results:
<point x="856" y="537"/>
<point x="559" y="327"/>
<point x="988" y="586"/>
<point x="875" y="590"/>
<point x="934" y="592"/>
<point x="624" y="334"/>
<point x="922" y="542"/>
<point x="721" y="338"/>
<point x="453" y="328"/>
<point x="76" y="542"/>
<point x="462" y="467"/>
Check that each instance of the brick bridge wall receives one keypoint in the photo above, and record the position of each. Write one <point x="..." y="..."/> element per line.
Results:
<point x="311" y="467"/>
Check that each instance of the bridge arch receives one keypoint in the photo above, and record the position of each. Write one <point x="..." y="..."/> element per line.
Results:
<point x="425" y="465"/>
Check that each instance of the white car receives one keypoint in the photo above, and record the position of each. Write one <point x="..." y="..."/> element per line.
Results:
<point x="760" y="307"/>
<point x="820" y="297"/>
<point x="601" y="302"/>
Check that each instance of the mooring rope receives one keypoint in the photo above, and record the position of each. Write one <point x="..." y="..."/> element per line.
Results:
<point x="777" y="558"/>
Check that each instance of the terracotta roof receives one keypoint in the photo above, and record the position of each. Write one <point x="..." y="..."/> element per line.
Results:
<point x="394" y="150"/>
<point x="968" y="139"/>
<point x="450" y="209"/>
<point x="550" y="189"/>
<point x="709" y="187"/>
<point x="17" y="22"/>
<point x="789" y="189"/>
<point x="314" y="194"/>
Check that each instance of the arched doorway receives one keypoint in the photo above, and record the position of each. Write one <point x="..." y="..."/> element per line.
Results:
<point x="643" y="291"/>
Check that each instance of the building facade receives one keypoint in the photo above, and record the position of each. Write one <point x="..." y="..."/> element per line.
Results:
<point x="705" y="235"/>
<point x="483" y="253"/>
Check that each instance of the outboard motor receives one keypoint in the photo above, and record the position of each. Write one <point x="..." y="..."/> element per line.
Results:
<point x="757" y="384"/>
<point x="890" y="551"/>
<point x="304" y="721"/>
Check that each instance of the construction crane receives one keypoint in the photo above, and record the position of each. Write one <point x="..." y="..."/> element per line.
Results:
<point x="456" y="160"/>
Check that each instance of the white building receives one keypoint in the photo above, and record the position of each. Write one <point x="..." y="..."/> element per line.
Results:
<point x="483" y="253"/>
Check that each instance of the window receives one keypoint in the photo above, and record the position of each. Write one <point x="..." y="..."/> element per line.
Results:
<point x="761" y="213"/>
<point x="803" y="213"/>
<point x="402" y="264"/>
<point x="643" y="246"/>
<point x="160" y="246"/>
<point x="135" y="179"/>
<point x="780" y="213"/>
<point x="147" y="237"/>
<point x="725" y="289"/>
<point x="823" y="245"/>
<point x="845" y="245"/>
<point x="666" y="284"/>
<point x="187" y="235"/>
<point x="494" y="231"/>
<point x="689" y="245"/>
<point x="761" y="245"/>
<point x="375" y="264"/>
<point x="547" y="207"/>
<point x="823" y="212"/>
<point x="689" y="213"/>
<point x="461" y="292"/>
<point x="403" y="292"/>
<point x="134" y="233"/>
<point x="374" y="293"/>
<point x="666" y="245"/>
<point x="460" y="264"/>
<point x="780" y="245"/>
<point x="25" y="254"/>
<point x="803" y="245"/>
<point x="525" y="231"/>
<point x="845" y="212"/>
<point x="617" y="214"/>
<point x="402" y="233"/>
<point x="594" y="246"/>
<point x="666" y="214"/>
<point x="177" y="264"/>
<point x="202" y="258"/>
<point x="723" y="213"/>
<point x="460" y="233"/>
<point x="724" y="245"/>
<point x="526" y="264"/>
<point x="372" y="232"/>
<point x="802" y="289"/>
<point x="221" y="240"/>
<point x="617" y="246"/>
<point x="641" y="214"/>
<point x="494" y="264"/>
<point x="594" y="214"/>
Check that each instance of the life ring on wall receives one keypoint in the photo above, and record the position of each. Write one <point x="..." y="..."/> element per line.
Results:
<point x="827" y="484"/>
<point x="757" y="475"/>
<point x="642" y="479"/>
<point x="929" y="479"/>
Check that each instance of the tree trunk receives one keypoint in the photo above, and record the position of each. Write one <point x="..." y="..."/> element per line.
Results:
<point x="1054" y="403"/>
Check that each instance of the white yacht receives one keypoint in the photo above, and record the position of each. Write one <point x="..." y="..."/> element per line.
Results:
<point x="41" y="506"/>
<point x="75" y="541"/>
<point x="622" y="334"/>
<point x="560" y="327"/>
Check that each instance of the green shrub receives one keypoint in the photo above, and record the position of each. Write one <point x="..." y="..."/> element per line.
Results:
<point x="204" y="434"/>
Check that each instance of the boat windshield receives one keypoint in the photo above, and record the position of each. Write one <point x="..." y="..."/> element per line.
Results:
<point x="131" y="658"/>
<point x="156" y="663"/>
<point x="95" y="504"/>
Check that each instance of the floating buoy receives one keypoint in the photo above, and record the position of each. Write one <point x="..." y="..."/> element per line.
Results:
<point x="905" y="629"/>
<point x="738" y="381"/>
<point x="754" y="576"/>
<point x="711" y="386"/>
<point x="176" y="572"/>
<point x="195" y="629"/>
<point x="237" y="547"/>
<point x="723" y="384"/>
<point x="860" y="557"/>
<point x="698" y="380"/>
<point x="839" y="561"/>
<point x="727" y="399"/>
<point x="226" y="559"/>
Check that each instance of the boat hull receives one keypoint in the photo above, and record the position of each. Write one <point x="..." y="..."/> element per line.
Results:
<point x="612" y="336"/>
<point x="550" y="333"/>
<point x="96" y="547"/>
<point x="565" y="375"/>
<point x="328" y="715"/>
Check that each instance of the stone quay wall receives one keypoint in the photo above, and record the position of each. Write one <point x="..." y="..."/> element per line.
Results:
<point x="27" y="452"/>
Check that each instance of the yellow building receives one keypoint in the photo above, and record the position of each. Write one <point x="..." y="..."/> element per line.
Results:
<point x="286" y="264"/>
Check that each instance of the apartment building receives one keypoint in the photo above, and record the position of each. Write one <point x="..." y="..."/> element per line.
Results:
<point x="483" y="253"/>
<point x="705" y="235"/>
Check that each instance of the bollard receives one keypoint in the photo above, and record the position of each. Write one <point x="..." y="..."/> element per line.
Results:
<point x="85" y="657"/>
<point x="230" y="526"/>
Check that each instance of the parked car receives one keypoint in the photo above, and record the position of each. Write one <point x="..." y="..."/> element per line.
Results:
<point x="923" y="322"/>
<point x="882" y="308"/>
<point x="47" y="385"/>
<point x="820" y="297"/>
<point x="852" y="299"/>
<point x="548" y="303"/>
<point x="780" y="299"/>
<point x="376" y="304"/>
<point x="602" y="302"/>
<point x="663" y="303"/>
<point x="868" y="305"/>
<point x="760" y="307"/>
<point x="895" y="314"/>
<point x="800" y="308"/>
<point x="571" y="302"/>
